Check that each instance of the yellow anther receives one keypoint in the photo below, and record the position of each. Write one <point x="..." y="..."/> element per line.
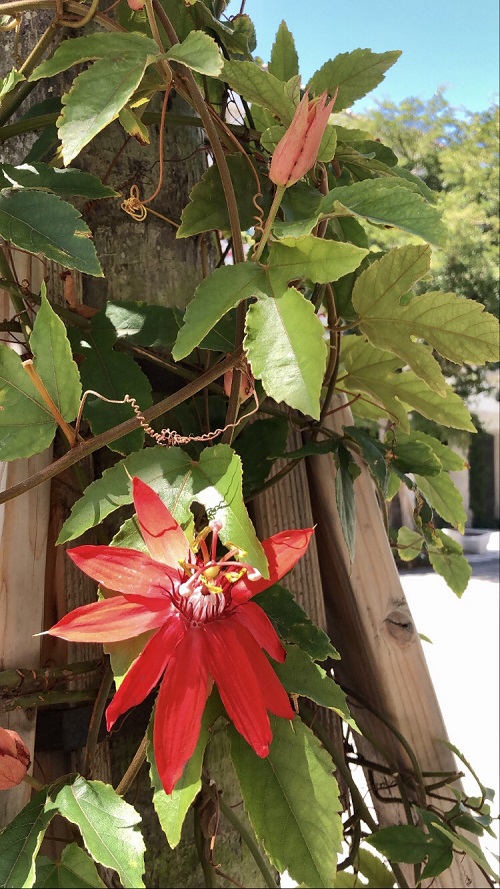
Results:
<point x="212" y="572"/>
<point x="233" y="576"/>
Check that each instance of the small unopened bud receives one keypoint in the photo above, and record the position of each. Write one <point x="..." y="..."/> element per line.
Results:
<point x="14" y="759"/>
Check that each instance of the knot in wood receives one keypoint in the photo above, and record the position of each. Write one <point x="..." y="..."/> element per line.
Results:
<point x="400" y="626"/>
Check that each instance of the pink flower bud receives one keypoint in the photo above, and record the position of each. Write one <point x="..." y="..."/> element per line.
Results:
<point x="247" y="387"/>
<point x="135" y="5"/>
<point x="296" y="152"/>
<point x="14" y="759"/>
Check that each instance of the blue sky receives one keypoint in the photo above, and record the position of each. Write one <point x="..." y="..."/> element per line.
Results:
<point x="450" y="43"/>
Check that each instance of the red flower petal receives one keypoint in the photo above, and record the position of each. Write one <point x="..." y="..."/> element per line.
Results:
<point x="273" y="694"/>
<point x="283" y="551"/>
<point x="230" y="652"/>
<point x="257" y="622"/>
<point x="163" y="536"/>
<point x="146" y="670"/>
<point x="179" y="708"/>
<point x="123" y="570"/>
<point x="111" y="620"/>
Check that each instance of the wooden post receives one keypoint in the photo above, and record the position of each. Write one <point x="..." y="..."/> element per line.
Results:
<point x="383" y="663"/>
<point x="23" y="534"/>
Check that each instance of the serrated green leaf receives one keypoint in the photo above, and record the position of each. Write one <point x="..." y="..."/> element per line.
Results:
<point x="410" y="543"/>
<point x="457" y="328"/>
<point x="26" y="426"/>
<point x="95" y="99"/>
<point x="108" y="825"/>
<point x="285" y="346"/>
<point x="133" y="125"/>
<point x="374" y="372"/>
<point x="354" y="73"/>
<point x="387" y="202"/>
<point x="443" y="495"/>
<point x="235" y="35"/>
<point x="198" y="51"/>
<point x="312" y="258"/>
<point x="42" y="223"/>
<point x="64" y="182"/>
<point x="53" y="360"/>
<point x="469" y="848"/>
<point x="214" y="481"/>
<point x="347" y="471"/>
<point x="451" y="565"/>
<point x="377" y="873"/>
<point x="254" y="446"/>
<point x="414" y="455"/>
<point x="277" y="793"/>
<point x="373" y="453"/>
<point x="293" y="624"/>
<point x="10" y="80"/>
<point x="376" y="298"/>
<point x="403" y="842"/>
<point x="301" y="676"/>
<point x="112" y="46"/>
<point x="284" y="62"/>
<point x="75" y="870"/>
<point x="448" y="458"/>
<point x="20" y="841"/>
<point x="140" y="323"/>
<point x="259" y="86"/>
<point x="223" y="290"/>
<point x="172" y="808"/>
<point x="113" y="375"/>
<point x="207" y="207"/>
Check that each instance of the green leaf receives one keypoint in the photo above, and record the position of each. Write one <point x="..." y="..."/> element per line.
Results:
<point x="450" y="564"/>
<point x="109" y="826"/>
<point x="378" y="874"/>
<point x="140" y="323"/>
<point x="312" y="258"/>
<point x="64" y="182"/>
<point x="26" y="426"/>
<point x="413" y="455"/>
<point x="443" y="495"/>
<point x="20" y="841"/>
<point x="75" y="870"/>
<point x="254" y="445"/>
<point x="53" y="360"/>
<point x="293" y="624"/>
<point x="259" y="86"/>
<point x="8" y="82"/>
<point x="214" y="481"/>
<point x="354" y="73"/>
<point x="172" y="808"/>
<point x="207" y="207"/>
<point x="95" y="99"/>
<point x="386" y="202"/>
<point x="375" y="373"/>
<point x="469" y="848"/>
<point x="410" y="543"/>
<point x="299" y="675"/>
<point x="402" y="843"/>
<point x="277" y="793"/>
<point x="284" y="62"/>
<point x="224" y="289"/>
<point x="285" y="346"/>
<point x="448" y="458"/>
<point x="373" y="453"/>
<point x="457" y="328"/>
<point x="198" y="51"/>
<point x="42" y="223"/>
<point x="113" y="375"/>
<point x="113" y="46"/>
<point x="347" y="471"/>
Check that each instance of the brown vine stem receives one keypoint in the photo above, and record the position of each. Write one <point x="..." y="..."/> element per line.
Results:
<point x="133" y="769"/>
<point x="96" y="719"/>
<point x="47" y="699"/>
<point x="25" y="681"/>
<point x="99" y="441"/>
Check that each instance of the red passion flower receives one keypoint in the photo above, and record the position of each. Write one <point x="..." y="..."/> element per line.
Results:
<point x="206" y="629"/>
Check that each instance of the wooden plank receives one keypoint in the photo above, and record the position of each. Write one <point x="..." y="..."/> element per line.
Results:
<point x="23" y="535"/>
<point x="383" y="663"/>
